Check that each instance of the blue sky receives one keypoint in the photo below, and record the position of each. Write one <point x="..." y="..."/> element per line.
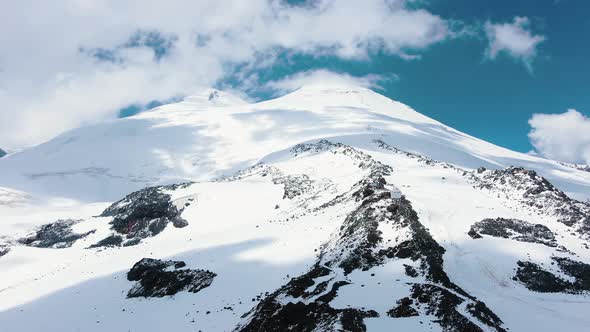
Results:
<point x="494" y="99"/>
<point x="454" y="83"/>
<point x="514" y="73"/>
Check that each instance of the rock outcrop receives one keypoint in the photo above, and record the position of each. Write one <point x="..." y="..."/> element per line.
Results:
<point x="144" y="213"/>
<point x="537" y="194"/>
<point x="518" y="230"/>
<point x="539" y="279"/>
<point x="305" y="302"/>
<point x="55" y="235"/>
<point x="159" y="278"/>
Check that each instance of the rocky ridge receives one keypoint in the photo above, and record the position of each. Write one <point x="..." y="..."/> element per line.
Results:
<point x="304" y="303"/>
<point x="535" y="192"/>
<point x="58" y="234"/>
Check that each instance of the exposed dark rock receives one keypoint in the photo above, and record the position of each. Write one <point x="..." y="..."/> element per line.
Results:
<point x="403" y="309"/>
<point x="303" y="304"/>
<point x="442" y="303"/>
<point x="109" y="241"/>
<point x="537" y="279"/>
<point x="514" y="229"/>
<point x="55" y="235"/>
<point x="2" y="153"/>
<point x="143" y="214"/>
<point x="578" y="270"/>
<point x="317" y="315"/>
<point x="536" y="193"/>
<point x="294" y="185"/>
<point x="442" y="298"/>
<point x="4" y="249"/>
<point x="474" y="234"/>
<point x="361" y="159"/>
<point x="158" y="278"/>
<point x="479" y="310"/>
<point x="298" y="285"/>
<point x="410" y="271"/>
<point x="521" y="185"/>
<point x="579" y="167"/>
<point x="303" y="317"/>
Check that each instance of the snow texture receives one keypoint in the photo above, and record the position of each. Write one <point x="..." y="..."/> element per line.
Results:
<point x="332" y="208"/>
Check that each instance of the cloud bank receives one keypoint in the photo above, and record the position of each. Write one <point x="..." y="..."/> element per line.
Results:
<point x="312" y="77"/>
<point x="564" y="137"/>
<point x="75" y="62"/>
<point x="514" y="39"/>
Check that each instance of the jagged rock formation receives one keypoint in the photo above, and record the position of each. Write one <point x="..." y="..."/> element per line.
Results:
<point x="4" y="249"/>
<point x="142" y="214"/>
<point x="579" y="167"/>
<point x="293" y="185"/>
<point x="524" y="186"/>
<point x="304" y="303"/>
<point x="530" y="189"/>
<point x="312" y="311"/>
<point x="537" y="279"/>
<point x="158" y="278"/>
<point x="110" y="241"/>
<point x="55" y="235"/>
<point x="404" y="308"/>
<point x="514" y="229"/>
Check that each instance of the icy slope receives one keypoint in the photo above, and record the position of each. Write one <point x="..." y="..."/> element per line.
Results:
<point x="214" y="134"/>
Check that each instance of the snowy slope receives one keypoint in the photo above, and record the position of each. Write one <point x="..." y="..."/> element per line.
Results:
<point x="202" y="138"/>
<point x="331" y="208"/>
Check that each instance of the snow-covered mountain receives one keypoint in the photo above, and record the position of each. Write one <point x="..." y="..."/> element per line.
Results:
<point x="330" y="208"/>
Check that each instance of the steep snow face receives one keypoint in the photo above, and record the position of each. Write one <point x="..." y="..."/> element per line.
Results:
<point x="320" y="236"/>
<point x="213" y="134"/>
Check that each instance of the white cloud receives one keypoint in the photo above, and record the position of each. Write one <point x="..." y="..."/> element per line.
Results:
<point x="313" y="77"/>
<point x="49" y="82"/>
<point x="564" y="137"/>
<point x="514" y="39"/>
